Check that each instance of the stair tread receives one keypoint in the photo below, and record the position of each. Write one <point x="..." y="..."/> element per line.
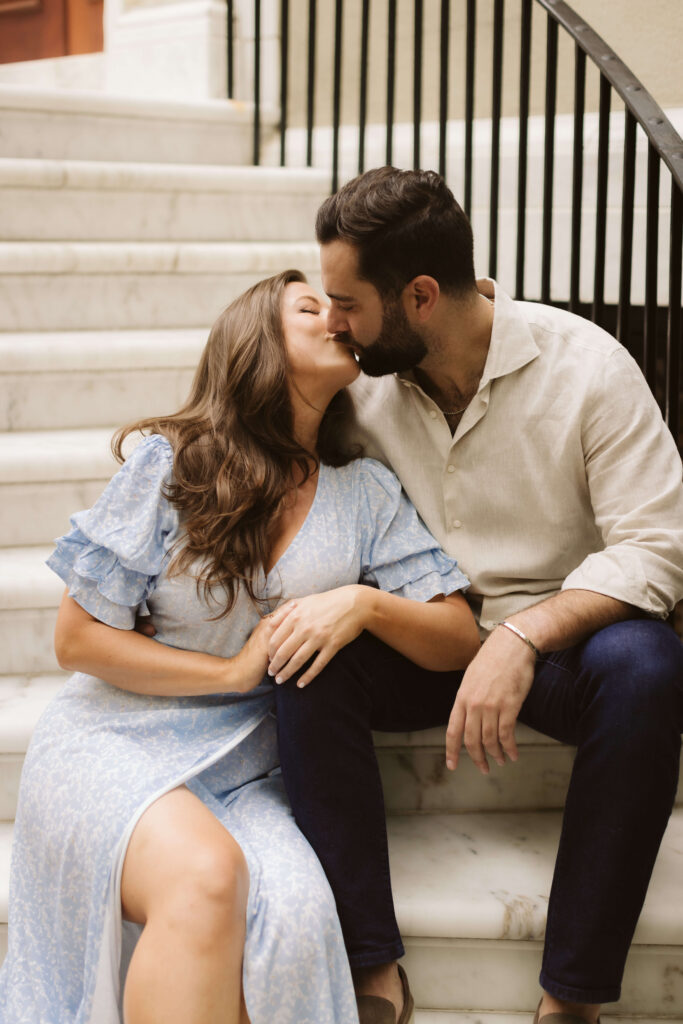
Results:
<point x="51" y="173"/>
<point x="23" y="699"/>
<point x="131" y="257"/>
<point x="86" y="351"/>
<point x="522" y="1017"/>
<point x="27" y="97"/>
<point x="56" y="455"/>
<point x="488" y="876"/>
<point x="444" y="890"/>
<point x="25" y="580"/>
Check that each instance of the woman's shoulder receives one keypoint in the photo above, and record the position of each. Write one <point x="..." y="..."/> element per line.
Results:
<point x="369" y="484"/>
<point x="153" y="449"/>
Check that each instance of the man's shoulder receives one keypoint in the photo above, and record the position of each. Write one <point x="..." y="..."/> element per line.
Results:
<point x="368" y="392"/>
<point x="553" y="328"/>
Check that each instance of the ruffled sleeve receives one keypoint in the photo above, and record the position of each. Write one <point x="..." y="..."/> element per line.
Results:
<point x="399" y="553"/>
<point x="114" y="552"/>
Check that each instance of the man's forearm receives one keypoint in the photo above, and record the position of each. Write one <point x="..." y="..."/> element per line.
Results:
<point x="570" y="617"/>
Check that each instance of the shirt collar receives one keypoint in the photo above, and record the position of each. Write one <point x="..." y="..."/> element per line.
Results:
<point x="512" y="343"/>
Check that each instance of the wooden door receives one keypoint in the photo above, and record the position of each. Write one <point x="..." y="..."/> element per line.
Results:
<point x="32" y="29"/>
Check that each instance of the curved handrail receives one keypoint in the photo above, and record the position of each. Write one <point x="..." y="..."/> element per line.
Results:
<point x="638" y="100"/>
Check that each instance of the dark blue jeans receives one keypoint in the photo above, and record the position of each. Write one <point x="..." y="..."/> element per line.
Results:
<point x="618" y="698"/>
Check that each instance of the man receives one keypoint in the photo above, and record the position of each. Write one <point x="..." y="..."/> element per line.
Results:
<point x="535" y="453"/>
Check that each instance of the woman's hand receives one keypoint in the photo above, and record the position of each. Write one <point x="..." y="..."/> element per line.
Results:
<point x="252" y="660"/>
<point x="322" y="623"/>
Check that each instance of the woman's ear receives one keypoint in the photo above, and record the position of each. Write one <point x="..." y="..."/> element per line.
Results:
<point x="420" y="297"/>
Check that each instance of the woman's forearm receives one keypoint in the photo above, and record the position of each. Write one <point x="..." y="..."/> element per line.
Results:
<point x="439" y="635"/>
<point x="137" y="663"/>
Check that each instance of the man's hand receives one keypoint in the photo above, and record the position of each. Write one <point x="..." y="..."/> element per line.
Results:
<point x="493" y="689"/>
<point x="322" y="624"/>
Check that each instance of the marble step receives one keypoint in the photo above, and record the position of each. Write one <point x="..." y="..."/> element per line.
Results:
<point x="29" y="597"/>
<point x="69" y="379"/>
<point x="45" y="476"/>
<point x="414" y="776"/>
<point x="22" y="701"/>
<point x="526" y="1017"/>
<point x="23" y="698"/>
<point x="69" y="286"/>
<point x="471" y="895"/>
<point x="66" y="124"/>
<point x="64" y="200"/>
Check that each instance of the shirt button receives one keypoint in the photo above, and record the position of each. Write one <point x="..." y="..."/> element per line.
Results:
<point x="432" y="413"/>
<point x="451" y="468"/>
<point x="456" y="524"/>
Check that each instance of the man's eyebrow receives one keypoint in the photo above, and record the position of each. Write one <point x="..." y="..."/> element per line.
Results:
<point x="340" y="298"/>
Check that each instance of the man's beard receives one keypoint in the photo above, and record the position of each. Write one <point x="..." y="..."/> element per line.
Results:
<point x="397" y="347"/>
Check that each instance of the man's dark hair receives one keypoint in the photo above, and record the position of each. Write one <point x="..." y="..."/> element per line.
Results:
<point x="402" y="223"/>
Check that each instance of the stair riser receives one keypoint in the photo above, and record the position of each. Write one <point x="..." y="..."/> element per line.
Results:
<point x="417" y="781"/>
<point x="35" y="513"/>
<point x="111" y="301"/>
<point x="503" y="976"/>
<point x="515" y="787"/>
<point x="80" y="135"/>
<point x="62" y="400"/>
<point x="27" y="640"/>
<point x="84" y="214"/>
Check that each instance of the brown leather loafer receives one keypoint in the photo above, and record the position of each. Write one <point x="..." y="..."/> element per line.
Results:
<point x="375" y="1010"/>
<point x="558" y="1018"/>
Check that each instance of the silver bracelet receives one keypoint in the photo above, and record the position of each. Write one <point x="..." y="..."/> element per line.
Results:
<point x="522" y="636"/>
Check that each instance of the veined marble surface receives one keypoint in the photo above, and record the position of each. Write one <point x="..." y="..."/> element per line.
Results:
<point x="487" y="876"/>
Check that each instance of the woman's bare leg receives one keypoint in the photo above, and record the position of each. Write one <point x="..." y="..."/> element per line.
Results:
<point x="186" y="881"/>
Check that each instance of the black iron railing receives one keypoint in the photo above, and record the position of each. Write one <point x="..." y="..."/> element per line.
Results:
<point x="651" y="328"/>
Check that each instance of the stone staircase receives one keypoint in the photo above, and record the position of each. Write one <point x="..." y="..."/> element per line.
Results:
<point x="126" y="227"/>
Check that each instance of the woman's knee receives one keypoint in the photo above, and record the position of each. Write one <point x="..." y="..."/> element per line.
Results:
<point x="208" y="890"/>
<point x="190" y="873"/>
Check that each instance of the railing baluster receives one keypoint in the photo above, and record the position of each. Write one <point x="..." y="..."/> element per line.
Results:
<point x="524" y="81"/>
<point x="310" y="86"/>
<point x="231" y="49"/>
<point x="497" y="88"/>
<point x="417" y="82"/>
<point x="577" y="180"/>
<point x="469" y="101"/>
<point x="336" y="102"/>
<point x="625" y="263"/>
<point x="443" y="84"/>
<point x="363" y="101"/>
<point x="391" y="78"/>
<point x="549" y="159"/>
<point x="257" y="83"/>
<point x="284" y="67"/>
<point x="651" y="263"/>
<point x="673" y="339"/>
<point x="598" y="313"/>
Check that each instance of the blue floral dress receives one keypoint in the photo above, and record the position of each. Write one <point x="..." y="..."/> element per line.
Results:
<point x="100" y="756"/>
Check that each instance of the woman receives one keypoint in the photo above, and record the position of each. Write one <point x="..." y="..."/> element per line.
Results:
<point x="157" y="873"/>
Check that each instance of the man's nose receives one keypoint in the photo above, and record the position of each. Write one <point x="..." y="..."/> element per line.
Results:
<point x="336" y="321"/>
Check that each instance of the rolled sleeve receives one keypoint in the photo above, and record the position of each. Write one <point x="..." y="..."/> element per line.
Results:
<point x="634" y="478"/>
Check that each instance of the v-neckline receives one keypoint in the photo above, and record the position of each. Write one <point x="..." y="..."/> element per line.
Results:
<point x="297" y="535"/>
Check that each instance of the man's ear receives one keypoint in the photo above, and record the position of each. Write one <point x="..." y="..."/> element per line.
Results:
<point x="420" y="297"/>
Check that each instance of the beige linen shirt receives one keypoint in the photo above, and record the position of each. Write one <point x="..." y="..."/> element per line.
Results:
<point x="561" y="474"/>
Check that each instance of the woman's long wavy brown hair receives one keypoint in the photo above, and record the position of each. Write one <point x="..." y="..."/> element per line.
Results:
<point x="235" y="456"/>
